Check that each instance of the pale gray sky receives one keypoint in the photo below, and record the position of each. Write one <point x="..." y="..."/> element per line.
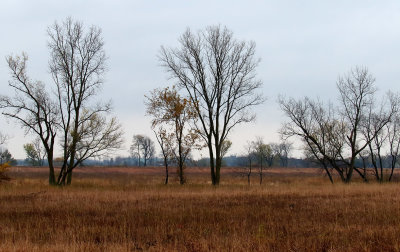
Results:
<point x="303" y="45"/>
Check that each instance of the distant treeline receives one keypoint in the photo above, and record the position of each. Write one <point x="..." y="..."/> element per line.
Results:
<point x="229" y="161"/>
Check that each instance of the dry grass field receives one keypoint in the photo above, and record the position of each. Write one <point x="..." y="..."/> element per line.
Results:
<point x="129" y="209"/>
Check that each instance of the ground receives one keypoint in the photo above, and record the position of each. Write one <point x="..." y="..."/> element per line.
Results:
<point x="129" y="209"/>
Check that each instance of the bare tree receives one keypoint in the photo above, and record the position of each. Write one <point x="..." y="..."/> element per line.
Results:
<point x="250" y="156"/>
<point x="148" y="149"/>
<point x="218" y="74"/>
<point x="393" y="129"/>
<point x="319" y="129"/>
<point x="386" y="139"/>
<point x="282" y="151"/>
<point x="32" y="107"/>
<point x="335" y="137"/>
<point x="77" y="66"/>
<point x="142" y="147"/>
<point x="136" y="148"/>
<point x="357" y="91"/>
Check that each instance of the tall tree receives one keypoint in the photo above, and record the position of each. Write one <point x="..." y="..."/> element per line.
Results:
<point x="173" y="113"/>
<point x="359" y="111"/>
<point x="77" y="65"/>
<point x="218" y="74"/>
<point x="388" y="139"/>
<point x="335" y="135"/>
<point x="32" y="107"/>
<point x="393" y="130"/>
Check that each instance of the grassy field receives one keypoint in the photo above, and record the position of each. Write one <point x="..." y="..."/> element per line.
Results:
<point x="128" y="209"/>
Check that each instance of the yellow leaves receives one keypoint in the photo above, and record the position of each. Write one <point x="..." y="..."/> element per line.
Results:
<point x="3" y="167"/>
<point x="167" y="106"/>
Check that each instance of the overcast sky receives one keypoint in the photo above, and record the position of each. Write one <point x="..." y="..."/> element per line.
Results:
<point x="303" y="46"/>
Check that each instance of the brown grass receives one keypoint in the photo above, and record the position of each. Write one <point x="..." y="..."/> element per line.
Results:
<point x="135" y="212"/>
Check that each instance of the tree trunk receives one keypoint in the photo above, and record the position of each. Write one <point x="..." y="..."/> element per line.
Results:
<point x="328" y="173"/>
<point x="349" y="173"/>
<point x="248" y="175"/>
<point x="52" y="176"/>
<point x="69" y="177"/>
<point x="394" y="161"/>
<point x="166" y="171"/>
<point x="218" y="162"/>
<point x="361" y="175"/>
<point x="212" y="166"/>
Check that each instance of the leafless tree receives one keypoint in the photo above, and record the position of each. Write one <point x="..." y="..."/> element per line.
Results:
<point x="32" y="107"/>
<point x="311" y="121"/>
<point x="77" y="66"/>
<point x="148" y="149"/>
<point x="250" y="156"/>
<point x="218" y="74"/>
<point x="136" y="147"/>
<point x="282" y="151"/>
<point x="386" y="139"/>
<point x="358" y="113"/>
<point x="393" y="131"/>
<point x="335" y="137"/>
<point x="142" y="147"/>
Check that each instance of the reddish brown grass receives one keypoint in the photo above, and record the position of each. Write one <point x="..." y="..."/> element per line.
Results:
<point x="135" y="212"/>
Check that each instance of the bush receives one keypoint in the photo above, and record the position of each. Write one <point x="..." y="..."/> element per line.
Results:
<point x="3" y="170"/>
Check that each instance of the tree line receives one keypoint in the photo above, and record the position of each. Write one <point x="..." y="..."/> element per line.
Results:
<point x="214" y="89"/>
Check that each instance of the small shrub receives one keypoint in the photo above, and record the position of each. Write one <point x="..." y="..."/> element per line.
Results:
<point x="3" y="170"/>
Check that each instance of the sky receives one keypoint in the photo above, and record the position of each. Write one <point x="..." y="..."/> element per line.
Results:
<point x="303" y="46"/>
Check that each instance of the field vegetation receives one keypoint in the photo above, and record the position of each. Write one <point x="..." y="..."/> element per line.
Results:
<point x="130" y="209"/>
